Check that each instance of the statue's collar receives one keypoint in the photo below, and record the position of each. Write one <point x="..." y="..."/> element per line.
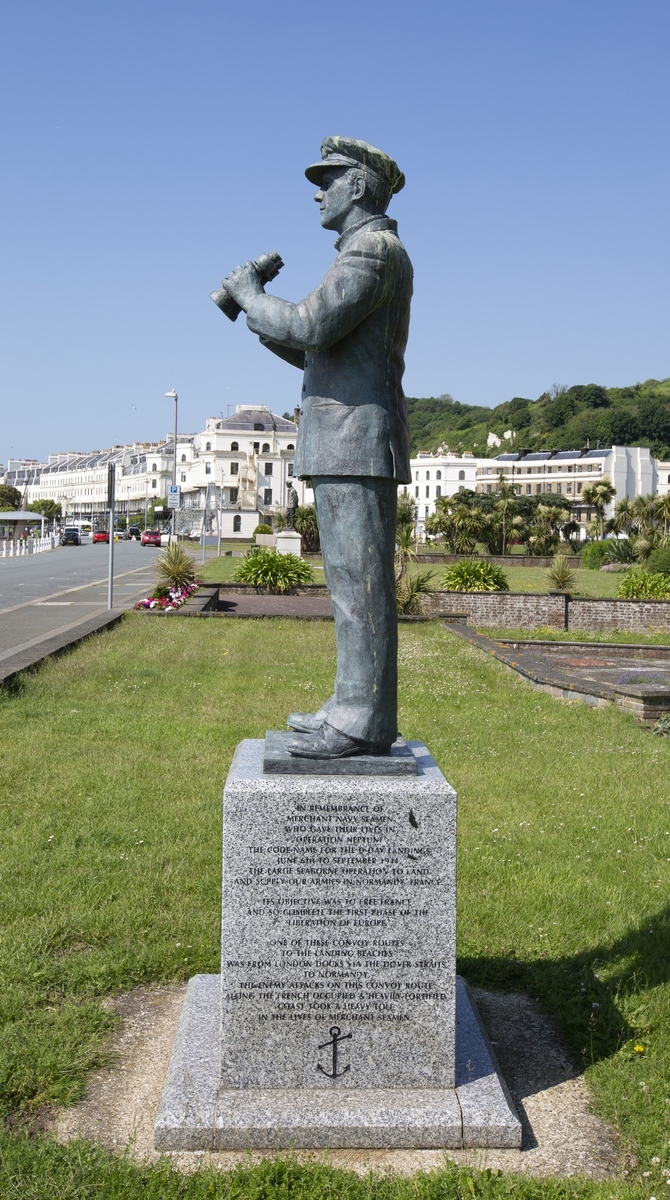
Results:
<point x="371" y="223"/>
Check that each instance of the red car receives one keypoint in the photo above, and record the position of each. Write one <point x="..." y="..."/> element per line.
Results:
<point x="100" y="535"/>
<point x="151" y="537"/>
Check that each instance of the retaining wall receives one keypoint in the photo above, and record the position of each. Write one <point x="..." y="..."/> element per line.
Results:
<point x="509" y="560"/>
<point x="518" y="610"/>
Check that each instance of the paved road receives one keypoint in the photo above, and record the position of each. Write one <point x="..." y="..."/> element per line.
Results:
<point x="46" y="594"/>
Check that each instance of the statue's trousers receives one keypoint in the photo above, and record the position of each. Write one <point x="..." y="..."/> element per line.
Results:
<point x="357" y="520"/>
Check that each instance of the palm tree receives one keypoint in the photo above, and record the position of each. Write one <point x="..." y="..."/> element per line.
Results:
<point x="599" y="495"/>
<point x="624" y="517"/>
<point x="307" y="526"/>
<point x="662" y="511"/>
<point x="505" y="505"/>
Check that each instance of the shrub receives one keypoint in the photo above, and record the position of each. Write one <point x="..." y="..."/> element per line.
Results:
<point x="560" y="574"/>
<point x="471" y="576"/>
<point x="620" y="550"/>
<point x="262" y="529"/>
<point x="644" y="585"/>
<point x="594" y="555"/>
<point x="307" y="526"/>
<point x="659" y="561"/>
<point x="265" y="568"/>
<point x="175" y="566"/>
<point x="409" y="591"/>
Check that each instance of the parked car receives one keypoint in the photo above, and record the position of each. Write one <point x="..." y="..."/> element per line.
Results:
<point x="101" y="535"/>
<point x="70" y="537"/>
<point x="135" y="531"/>
<point x="122" y="535"/>
<point x="151" y="537"/>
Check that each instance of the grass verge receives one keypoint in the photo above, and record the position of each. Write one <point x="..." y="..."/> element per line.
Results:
<point x="113" y="760"/>
<point x="548" y="634"/>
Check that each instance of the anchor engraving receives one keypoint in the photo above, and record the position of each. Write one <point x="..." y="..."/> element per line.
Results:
<point x="336" y="1038"/>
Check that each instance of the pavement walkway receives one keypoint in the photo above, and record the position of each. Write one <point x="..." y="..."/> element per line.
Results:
<point x="44" y="618"/>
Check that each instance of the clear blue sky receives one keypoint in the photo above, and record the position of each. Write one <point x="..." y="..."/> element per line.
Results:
<point x="148" y="147"/>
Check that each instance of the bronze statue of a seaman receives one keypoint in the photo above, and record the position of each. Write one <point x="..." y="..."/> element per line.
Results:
<point x="349" y="337"/>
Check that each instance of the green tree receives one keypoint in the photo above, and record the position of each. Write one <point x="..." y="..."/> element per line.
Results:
<point x="506" y="506"/>
<point x="307" y="525"/>
<point x="10" y="498"/>
<point x="406" y="513"/>
<point x="599" y="495"/>
<point x="47" y="508"/>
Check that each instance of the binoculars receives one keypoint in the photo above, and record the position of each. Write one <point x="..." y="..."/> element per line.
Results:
<point x="267" y="267"/>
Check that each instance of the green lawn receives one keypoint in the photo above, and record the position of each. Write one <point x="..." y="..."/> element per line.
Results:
<point x="113" y="762"/>
<point x="549" y="634"/>
<point x="521" y="579"/>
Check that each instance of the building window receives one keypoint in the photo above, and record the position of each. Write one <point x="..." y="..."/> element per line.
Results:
<point x="427" y="493"/>
<point x="416" y="474"/>
<point x="258" y="427"/>
<point x="427" y="474"/>
<point x="183" y="476"/>
<point x="547" y="487"/>
<point x="489" y="470"/>
<point x="234" y="468"/>
<point x="234" y="446"/>
<point x="208" y="468"/>
<point x="569" y="468"/>
<point x="438" y="475"/>
<point x="290" y="473"/>
<point x="488" y="489"/>
<point x="237" y="523"/>
<point x="559" y="488"/>
<point x="268" y="468"/>
<point x="154" y="483"/>
<point x="154" y="467"/>
<point x="538" y="489"/>
<point x="266" y="447"/>
<point x="416" y="493"/>
<point x="438" y="490"/>
<point x="290" y="446"/>
<point x="579" y="487"/>
<point x="549" y="470"/>
<point x="267" y="496"/>
<point x="528" y="489"/>
<point x="426" y="511"/>
<point x="668" y="478"/>
<point x="461" y="474"/>
<point x="208" y="446"/>
<point x="461" y="488"/>
<point x="183" y="458"/>
<point x="233" y="495"/>
<point x="257" y="447"/>
<point x="568" y="488"/>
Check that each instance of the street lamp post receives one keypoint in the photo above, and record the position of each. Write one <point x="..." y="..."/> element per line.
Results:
<point x="173" y="396"/>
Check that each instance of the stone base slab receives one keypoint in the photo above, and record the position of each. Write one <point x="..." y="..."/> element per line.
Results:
<point x="196" y="1114"/>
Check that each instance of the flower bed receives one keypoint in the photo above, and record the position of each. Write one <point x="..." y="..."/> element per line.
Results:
<point x="169" y="599"/>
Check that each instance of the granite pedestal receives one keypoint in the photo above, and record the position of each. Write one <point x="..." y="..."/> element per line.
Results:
<point x="334" y="1020"/>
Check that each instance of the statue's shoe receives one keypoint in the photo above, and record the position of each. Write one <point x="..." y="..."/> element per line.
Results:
<point x="305" y="722"/>
<point x="330" y="743"/>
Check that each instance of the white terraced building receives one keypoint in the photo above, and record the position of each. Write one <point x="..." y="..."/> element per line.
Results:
<point x="238" y="467"/>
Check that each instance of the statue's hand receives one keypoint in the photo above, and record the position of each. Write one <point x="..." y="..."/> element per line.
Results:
<point x="243" y="285"/>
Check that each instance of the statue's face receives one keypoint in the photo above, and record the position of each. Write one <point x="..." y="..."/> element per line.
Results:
<point x="340" y="190"/>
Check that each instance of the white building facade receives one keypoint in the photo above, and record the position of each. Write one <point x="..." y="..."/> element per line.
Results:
<point x="236" y="471"/>
<point x="437" y="475"/>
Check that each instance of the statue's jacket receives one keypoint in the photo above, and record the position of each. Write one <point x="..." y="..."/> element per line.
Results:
<point x="349" y="336"/>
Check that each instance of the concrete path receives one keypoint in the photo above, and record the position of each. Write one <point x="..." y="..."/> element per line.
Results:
<point x="49" y="600"/>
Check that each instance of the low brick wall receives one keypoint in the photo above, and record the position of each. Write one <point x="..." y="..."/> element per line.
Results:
<point x="512" y="610"/>
<point x="519" y="610"/>
<point x="627" y="616"/>
<point x="510" y="560"/>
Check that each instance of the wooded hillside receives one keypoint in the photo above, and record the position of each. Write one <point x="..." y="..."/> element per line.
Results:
<point x="563" y="419"/>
